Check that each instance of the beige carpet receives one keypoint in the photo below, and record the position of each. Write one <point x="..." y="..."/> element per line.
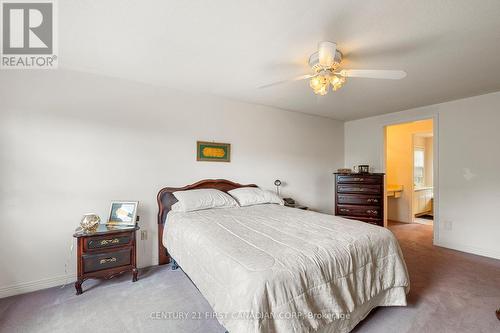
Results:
<point x="450" y="292"/>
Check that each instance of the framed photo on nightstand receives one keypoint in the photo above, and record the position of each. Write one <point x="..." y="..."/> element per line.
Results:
<point x="123" y="213"/>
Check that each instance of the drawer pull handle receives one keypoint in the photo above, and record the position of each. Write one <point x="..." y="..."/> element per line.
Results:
<point x="344" y="210"/>
<point x="355" y="189"/>
<point x="351" y="188"/>
<point x="110" y="241"/>
<point x="371" y="211"/>
<point x="359" y="179"/>
<point x="372" y="200"/>
<point x="107" y="260"/>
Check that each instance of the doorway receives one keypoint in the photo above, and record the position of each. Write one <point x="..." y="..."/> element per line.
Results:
<point x="410" y="170"/>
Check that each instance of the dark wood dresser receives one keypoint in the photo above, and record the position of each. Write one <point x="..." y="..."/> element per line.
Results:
<point x="105" y="253"/>
<point x="360" y="197"/>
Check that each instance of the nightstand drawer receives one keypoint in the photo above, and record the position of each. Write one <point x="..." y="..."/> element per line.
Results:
<point x="353" y="188"/>
<point x="96" y="243"/>
<point x="357" y="199"/>
<point x="97" y="262"/>
<point x="351" y="210"/>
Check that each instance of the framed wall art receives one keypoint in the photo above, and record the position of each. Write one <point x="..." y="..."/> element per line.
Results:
<point x="213" y="151"/>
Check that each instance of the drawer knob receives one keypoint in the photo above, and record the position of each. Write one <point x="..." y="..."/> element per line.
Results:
<point x="371" y="211"/>
<point x="372" y="200"/>
<point x="107" y="260"/>
<point x="344" y="210"/>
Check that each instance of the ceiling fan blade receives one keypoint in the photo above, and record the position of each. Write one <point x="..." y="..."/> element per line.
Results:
<point x="326" y="53"/>
<point x="373" y="74"/>
<point x="297" y="78"/>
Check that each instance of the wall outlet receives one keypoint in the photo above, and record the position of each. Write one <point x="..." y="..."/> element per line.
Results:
<point x="448" y="225"/>
<point x="144" y="234"/>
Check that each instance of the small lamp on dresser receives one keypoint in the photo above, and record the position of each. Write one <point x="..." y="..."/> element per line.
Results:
<point x="277" y="183"/>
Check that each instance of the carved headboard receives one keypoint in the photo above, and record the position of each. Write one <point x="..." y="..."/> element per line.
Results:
<point x="166" y="199"/>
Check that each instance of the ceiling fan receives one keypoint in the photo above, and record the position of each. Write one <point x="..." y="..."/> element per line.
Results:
<point x="326" y="67"/>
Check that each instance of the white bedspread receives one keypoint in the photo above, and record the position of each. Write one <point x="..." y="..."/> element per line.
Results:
<point x="270" y="268"/>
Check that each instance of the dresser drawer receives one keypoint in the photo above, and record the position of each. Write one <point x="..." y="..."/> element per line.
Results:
<point x="97" y="262"/>
<point x="359" y="179"/>
<point x="96" y="243"/>
<point x="358" y="199"/>
<point x="361" y="188"/>
<point x="352" y="210"/>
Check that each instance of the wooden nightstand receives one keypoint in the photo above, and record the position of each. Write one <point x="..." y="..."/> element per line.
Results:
<point x="105" y="253"/>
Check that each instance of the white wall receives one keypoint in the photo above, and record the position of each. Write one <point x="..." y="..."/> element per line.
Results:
<point x="468" y="186"/>
<point x="72" y="142"/>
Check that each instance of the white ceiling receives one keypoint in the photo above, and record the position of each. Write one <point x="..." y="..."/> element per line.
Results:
<point x="449" y="48"/>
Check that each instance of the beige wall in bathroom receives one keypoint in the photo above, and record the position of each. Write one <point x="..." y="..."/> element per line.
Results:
<point x="399" y="165"/>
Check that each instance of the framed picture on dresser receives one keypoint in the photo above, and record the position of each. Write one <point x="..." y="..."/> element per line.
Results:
<point x="123" y="213"/>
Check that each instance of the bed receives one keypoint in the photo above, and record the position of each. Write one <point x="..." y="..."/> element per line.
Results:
<point x="269" y="268"/>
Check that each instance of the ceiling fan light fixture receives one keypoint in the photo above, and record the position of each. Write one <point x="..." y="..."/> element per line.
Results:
<point x="316" y="66"/>
<point x="318" y="82"/>
<point x="337" y="82"/>
<point x="322" y="90"/>
<point x="326" y="53"/>
<point x="326" y="70"/>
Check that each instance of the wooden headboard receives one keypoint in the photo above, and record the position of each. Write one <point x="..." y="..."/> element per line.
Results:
<point x="166" y="199"/>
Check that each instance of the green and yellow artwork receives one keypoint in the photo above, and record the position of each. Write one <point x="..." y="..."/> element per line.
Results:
<point x="213" y="151"/>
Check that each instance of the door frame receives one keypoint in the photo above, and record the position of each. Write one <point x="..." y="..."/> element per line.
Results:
<point x="414" y="146"/>
<point x="435" y="171"/>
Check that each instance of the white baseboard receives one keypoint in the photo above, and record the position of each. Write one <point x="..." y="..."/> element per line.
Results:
<point x="468" y="249"/>
<point x="27" y="287"/>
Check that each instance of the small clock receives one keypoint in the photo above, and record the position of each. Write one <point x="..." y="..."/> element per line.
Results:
<point x="364" y="168"/>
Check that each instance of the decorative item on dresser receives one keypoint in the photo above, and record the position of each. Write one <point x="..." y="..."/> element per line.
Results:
<point x="360" y="197"/>
<point x="89" y="222"/>
<point x="123" y="213"/>
<point x="105" y="253"/>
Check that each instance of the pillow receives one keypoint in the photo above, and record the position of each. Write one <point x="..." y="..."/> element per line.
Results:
<point x="247" y="196"/>
<point x="192" y="200"/>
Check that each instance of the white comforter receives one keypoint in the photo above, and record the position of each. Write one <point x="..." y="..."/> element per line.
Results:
<point x="270" y="268"/>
